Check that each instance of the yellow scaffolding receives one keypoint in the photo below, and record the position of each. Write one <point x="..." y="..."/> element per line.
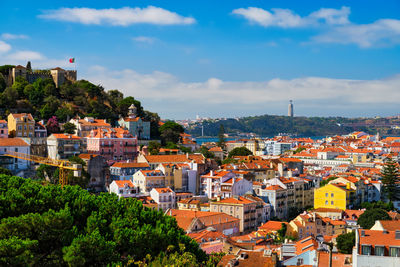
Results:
<point x="63" y="165"/>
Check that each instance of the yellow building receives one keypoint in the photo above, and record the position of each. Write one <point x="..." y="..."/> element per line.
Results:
<point x="21" y="125"/>
<point x="333" y="196"/>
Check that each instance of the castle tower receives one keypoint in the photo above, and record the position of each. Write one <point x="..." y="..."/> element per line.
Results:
<point x="290" y="108"/>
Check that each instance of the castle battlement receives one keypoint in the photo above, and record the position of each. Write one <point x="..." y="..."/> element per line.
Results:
<point x="58" y="75"/>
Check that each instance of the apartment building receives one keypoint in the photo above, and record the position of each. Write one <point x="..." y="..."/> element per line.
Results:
<point x="164" y="197"/>
<point x="112" y="143"/>
<point x="123" y="188"/>
<point x="3" y="129"/>
<point x="21" y="125"/>
<point x="146" y="180"/>
<point x="248" y="209"/>
<point x="64" y="146"/>
<point x="126" y="170"/>
<point x="86" y="125"/>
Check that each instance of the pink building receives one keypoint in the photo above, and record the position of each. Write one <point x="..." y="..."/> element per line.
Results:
<point x="3" y="129"/>
<point x="112" y="144"/>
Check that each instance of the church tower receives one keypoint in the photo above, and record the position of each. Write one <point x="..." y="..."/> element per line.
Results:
<point x="290" y="108"/>
<point x="132" y="111"/>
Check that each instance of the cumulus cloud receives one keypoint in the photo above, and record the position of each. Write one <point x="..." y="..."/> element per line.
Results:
<point x="286" y="18"/>
<point x="144" y="39"/>
<point x="25" y="55"/>
<point x="4" y="47"/>
<point x="214" y="93"/>
<point x="334" y="24"/>
<point x="9" y="36"/>
<point x="118" y="17"/>
<point x="383" y="32"/>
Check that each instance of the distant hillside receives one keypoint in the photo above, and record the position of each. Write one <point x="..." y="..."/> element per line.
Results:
<point x="268" y="125"/>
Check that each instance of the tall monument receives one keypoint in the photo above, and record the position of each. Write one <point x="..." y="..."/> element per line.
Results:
<point x="290" y="108"/>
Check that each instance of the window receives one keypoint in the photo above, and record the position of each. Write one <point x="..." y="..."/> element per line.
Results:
<point x="326" y="202"/>
<point x="331" y="202"/>
<point x="332" y="194"/>
<point x="379" y="250"/>
<point x="326" y="194"/>
<point x="365" y="249"/>
<point x="394" y="252"/>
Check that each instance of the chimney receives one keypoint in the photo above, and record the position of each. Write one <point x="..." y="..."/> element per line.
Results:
<point x="211" y="173"/>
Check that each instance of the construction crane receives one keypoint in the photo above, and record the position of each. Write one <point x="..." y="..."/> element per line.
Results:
<point x="63" y="165"/>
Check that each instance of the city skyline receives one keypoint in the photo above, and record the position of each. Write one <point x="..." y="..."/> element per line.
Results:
<point x="238" y="59"/>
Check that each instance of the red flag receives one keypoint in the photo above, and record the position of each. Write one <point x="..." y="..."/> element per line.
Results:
<point x="72" y="60"/>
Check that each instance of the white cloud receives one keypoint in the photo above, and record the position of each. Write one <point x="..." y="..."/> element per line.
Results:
<point x="383" y="32"/>
<point x="25" y="56"/>
<point x="4" y="47"/>
<point x="144" y="39"/>
<point x="9" y="36"/>
<point x="331" y="16"/>
<point x="118" y="17"/>
<point x="286" y="18"/>
<point x="161" y="86"/>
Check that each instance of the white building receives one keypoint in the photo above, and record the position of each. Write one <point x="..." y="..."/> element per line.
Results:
<point x="13" y="145"/>
<point x="276" y="148"/>
<point x="123" y="188"/>
<point x="376" y="248"/>
<point x="164" y="197"/>
<point x="224" y="184"/>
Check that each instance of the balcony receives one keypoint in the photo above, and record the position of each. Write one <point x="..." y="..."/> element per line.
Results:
<point x="130" y="145"/>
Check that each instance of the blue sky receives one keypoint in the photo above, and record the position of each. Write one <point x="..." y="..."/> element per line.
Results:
<point x="219" y="59"/>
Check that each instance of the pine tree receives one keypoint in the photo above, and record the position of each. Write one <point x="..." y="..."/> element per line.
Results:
<point x="29" y="66"/>
<point x="390" y="178"/>
<point x="221" y="136"/>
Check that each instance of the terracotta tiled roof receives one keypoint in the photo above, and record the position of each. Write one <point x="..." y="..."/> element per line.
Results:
<point x="96" y="122"/>
<point x="21" y="115"/>
<point x="215" y="149"/>
<point x="306" y="244"/>
<point x="152" y="173"/>
<point x="390" y="225"/>
<point x="272" y="226"/>
<point x="65" y="136"/>
<point x="13" y="142"/>
<point x="122" y="183"/>
<point x="163" y="190"/>
<point x="185" y="217"/>
<point x="328" y="210"/>
<point x="130" y="165"/>
<point x="231" y="200"/>
<point x="338" y="260"/>
<point x="87" y="156"/>
<point x="253" y="259"/>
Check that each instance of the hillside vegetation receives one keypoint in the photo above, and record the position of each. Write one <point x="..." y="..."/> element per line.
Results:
<point x="268" y="125"/>
<point x="49" y="226"/>
<point x="43" y="100"/>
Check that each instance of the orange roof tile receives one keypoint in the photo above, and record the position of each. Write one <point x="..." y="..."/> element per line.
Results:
<point x="13" y="142"/>
<point x="131" y="165"/>
<point x="122" y="183"/>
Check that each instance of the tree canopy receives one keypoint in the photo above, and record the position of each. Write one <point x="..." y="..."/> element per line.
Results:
<point x="390" y="179"/>
<point x="346" y="242"/>
<point x="50" y="226"/>
<point x="368" y="218"/>
<point x="170" y="132"/>
<point x="239" y="151"/>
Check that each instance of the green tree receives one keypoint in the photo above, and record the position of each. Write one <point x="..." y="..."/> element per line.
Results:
<point x="154" y="147"/>
<point x="64" y="113"/>
<point x="239" y="151"/>
<point x="221" y="137"/>
<point x="390" y="179"/>
<point x="3" y="83"/>
<point x="346" y="242"/>
<point x="5" y="171"/>
<point x="368" y="218"/>
<point x="19" y="85"/>
<point x="10" y="97"/>
<point x="170" y="132"/>
<point x="69" y="128"/>
<point x="54" y="226"/>
<point x="326" y="181"/>
<point x="206" y="153"/>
